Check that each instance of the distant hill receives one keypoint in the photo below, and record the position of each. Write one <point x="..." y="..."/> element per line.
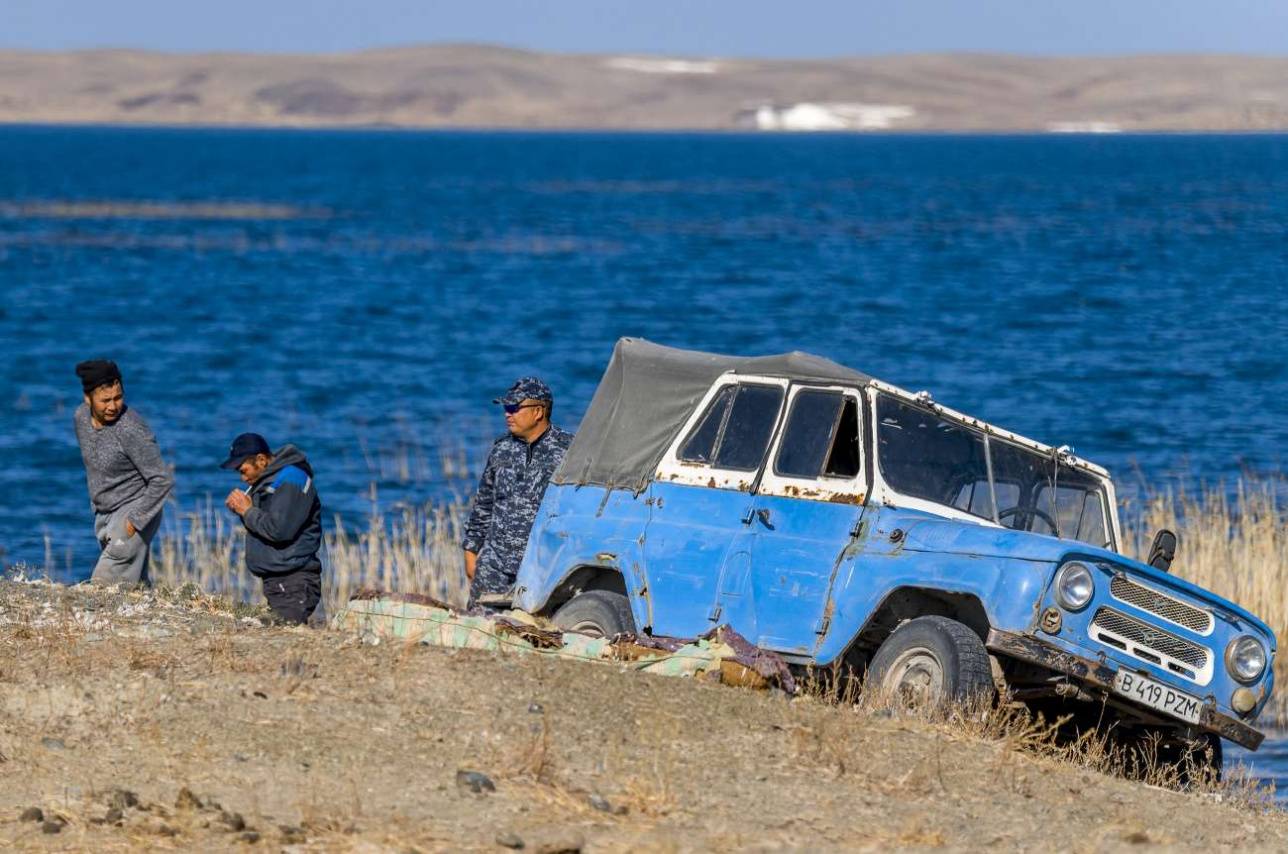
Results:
<point x="491" y="87"/>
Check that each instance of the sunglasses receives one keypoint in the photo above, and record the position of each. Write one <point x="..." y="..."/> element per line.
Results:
<point x="511" y="408"/>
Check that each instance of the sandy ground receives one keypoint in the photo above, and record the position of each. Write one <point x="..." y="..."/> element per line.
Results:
<point x="137" y="721"/>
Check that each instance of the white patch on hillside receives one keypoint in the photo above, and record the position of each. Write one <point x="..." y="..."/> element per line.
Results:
<point x="808" y="116"/>
<point x="1083" y="127"/>
<point x="654" y="65"/>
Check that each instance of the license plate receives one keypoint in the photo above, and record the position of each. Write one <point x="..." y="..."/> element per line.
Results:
<point x="1158" y="696"/>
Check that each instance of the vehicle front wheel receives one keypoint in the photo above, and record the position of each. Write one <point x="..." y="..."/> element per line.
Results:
<point x="598" y="613"/>
<point x="930" y="662"/>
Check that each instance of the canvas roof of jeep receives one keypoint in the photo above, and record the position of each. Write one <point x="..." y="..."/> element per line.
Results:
<point x="646" y="396"/>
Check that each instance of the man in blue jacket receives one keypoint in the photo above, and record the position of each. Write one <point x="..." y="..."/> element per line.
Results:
<point x="283" y="518"/>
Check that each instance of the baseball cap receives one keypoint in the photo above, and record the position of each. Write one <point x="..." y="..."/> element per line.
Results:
<point x="245" y="445"/>
<point x="526" y="388"/>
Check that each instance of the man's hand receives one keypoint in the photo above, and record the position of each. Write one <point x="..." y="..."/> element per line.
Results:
<point x="238" y="502"/>
<point x="130" y="530"/>
<point x="471" y="559"/>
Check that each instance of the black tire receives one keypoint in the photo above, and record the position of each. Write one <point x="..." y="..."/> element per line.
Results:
<point x="599" y="613"/>
<point x="931" y="662"/>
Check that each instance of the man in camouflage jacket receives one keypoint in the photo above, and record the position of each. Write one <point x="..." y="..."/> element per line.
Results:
<point x="514" y="480"/>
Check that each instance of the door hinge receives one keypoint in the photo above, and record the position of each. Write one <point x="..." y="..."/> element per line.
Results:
<point x="715" y="613"/>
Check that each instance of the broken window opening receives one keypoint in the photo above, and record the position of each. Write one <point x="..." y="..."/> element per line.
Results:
<point x="843" y="461"/>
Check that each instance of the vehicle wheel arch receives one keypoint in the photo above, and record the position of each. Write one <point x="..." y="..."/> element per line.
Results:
<point x="909" y="602"/>
<point x="581" y="578"/>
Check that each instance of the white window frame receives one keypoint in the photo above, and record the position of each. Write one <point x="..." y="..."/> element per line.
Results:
<point x="851" y="490"/>
<point x="674" y="470"/>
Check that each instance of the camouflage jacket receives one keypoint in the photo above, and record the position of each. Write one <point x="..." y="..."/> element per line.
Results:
<point x="510" y="491"/>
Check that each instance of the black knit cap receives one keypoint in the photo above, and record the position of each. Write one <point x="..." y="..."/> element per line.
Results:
<point x="96" y="373"/>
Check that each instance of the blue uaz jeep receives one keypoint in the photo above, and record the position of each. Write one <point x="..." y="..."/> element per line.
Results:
<point x="836" y="519"/>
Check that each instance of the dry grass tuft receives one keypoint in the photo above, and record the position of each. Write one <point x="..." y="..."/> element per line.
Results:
<point x="652" y="797"/>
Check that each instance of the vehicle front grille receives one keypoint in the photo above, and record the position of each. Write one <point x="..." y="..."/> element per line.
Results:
<point x="1150" y="643"/>
<point x="1160" y="604"/>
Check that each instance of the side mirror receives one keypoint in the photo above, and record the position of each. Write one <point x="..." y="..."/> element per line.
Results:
<point x="1163" y="551"/>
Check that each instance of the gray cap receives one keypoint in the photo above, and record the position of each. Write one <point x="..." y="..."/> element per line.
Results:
<point x="526" y="388"/>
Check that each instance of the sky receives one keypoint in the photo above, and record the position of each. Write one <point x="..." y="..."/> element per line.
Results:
<point x="748" y="28"/>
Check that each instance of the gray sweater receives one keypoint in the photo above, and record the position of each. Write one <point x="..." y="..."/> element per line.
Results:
<point x="123" y="466"/>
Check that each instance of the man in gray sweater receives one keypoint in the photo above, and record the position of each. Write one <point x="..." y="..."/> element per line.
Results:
<point x="128" y="480"/>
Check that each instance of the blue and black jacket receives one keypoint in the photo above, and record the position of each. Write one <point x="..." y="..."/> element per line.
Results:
<point x="284" y="525"/>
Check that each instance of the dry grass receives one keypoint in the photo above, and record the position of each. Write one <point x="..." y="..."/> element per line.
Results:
<point x="416" y="551"/>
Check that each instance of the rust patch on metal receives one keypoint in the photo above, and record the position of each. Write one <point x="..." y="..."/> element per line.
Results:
<point x="844" y="498"/>
<point x="1228" y="728"/>
<point x="826" y="623"/>
<point x="1035" y="651"/>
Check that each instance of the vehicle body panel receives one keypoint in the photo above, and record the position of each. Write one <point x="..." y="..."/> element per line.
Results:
<point x="689" y="536"/>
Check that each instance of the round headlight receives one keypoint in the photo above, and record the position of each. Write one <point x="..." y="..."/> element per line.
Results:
<point x="1074" y="586"/>
<point x="1245" y="658"/>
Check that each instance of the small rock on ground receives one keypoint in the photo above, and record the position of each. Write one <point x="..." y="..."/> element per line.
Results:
<point x="509" y="840"/>
<point x="475" y="782"/>
<point x="602" y="804"/>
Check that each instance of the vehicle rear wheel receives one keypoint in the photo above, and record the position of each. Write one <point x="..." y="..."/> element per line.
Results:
<point x="931" y="662"/>
<point x="598" y="613"/>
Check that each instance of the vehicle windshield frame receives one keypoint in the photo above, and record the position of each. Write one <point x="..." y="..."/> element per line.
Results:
<point x="1083" y="477"/>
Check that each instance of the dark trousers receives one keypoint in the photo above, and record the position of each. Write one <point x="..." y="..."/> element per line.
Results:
<point x="293" y="595"/>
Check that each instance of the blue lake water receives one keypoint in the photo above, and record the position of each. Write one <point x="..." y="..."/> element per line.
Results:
<point x="366" y="294"/>
<point x="1269" y="764"/>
